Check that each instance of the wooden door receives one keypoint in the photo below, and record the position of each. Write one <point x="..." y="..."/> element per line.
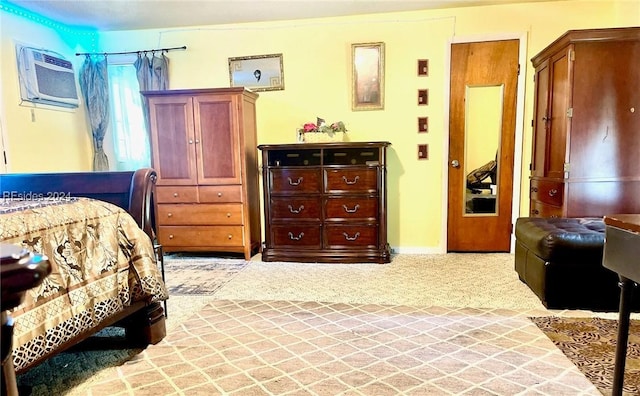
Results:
<point x="559" y="118"/>
<point x="217" y="130"/>
<point x="172" y="139"/>
<point x="541" y="120"/>
<point x="480" y="219"/>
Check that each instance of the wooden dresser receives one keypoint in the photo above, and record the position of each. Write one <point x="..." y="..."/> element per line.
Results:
<point x="325" y="202"/>
<point x="204" y="151"/>
<point x="586" y="142"/>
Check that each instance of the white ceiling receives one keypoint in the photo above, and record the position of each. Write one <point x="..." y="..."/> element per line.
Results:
<point x="150" y="14"/>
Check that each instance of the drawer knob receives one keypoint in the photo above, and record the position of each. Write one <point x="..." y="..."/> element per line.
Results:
<point x="228" y="214"/>
<point x="295" y="183"/>
<point x="354" y="181"/>
<point x="296" y="238"/>
<point x="535" y="212"/>
<point x="354" y="210"/>
<point x="296" y="211"/>
<point x="553" y="192"/>
<point x="351" y="238"/>
<point x="534" y="189"/>
<point x="170" y="236"/>
<point x="169" y="214"/>
<point x="175" y="194"/>
<point x="229" y="236"/>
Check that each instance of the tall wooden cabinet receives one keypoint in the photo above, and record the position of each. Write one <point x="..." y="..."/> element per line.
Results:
<point x="325" y="202"/>
<point x="204" y="150"/>
<point x="586" y="126"/>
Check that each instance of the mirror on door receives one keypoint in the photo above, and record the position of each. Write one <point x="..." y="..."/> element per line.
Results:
<point x="483" y="123"/>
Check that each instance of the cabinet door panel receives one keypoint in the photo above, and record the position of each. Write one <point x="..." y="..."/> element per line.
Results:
<point x="217" y="139"/>
<point x="540" y="121"/>
<point x="560" y="103"/>
<point x="172" y="140"/>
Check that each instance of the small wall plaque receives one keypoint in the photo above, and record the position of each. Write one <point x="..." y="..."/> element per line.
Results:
<point x="423" y="97"/>
<point x="423" y="124"/>
<point x="423" y="67"/>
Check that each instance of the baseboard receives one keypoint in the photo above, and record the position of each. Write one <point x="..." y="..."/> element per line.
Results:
<point x="416" y="250"/>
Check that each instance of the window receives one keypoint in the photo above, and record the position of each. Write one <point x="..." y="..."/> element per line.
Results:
<point x="130" y="140"/>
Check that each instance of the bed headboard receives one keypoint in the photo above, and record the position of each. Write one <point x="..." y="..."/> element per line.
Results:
<point x="131" y="190"/>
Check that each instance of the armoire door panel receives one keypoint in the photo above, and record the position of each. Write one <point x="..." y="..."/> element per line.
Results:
<point x="541" y="121"/>
<point x="560" y="103"/>
<point x="172" y="148"/>
<point x="216" y="125"/>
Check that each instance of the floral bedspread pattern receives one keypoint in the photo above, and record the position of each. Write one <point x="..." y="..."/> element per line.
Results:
<point x="101" y="262"/>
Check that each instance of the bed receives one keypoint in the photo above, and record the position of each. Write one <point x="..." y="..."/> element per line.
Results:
<point x="97" y="231"/>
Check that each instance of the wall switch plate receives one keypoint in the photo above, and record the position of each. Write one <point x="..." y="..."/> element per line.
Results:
<point x="423" y="151"/>
<point x="423" y="67"/>
<point x="423" y="124"/>
<point x="423" y="96"/>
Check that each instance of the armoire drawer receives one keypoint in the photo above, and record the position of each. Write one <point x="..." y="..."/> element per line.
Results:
<point x="203" y="214"/>
<point x="546" y="191"/>
<point x="296" y="208"/>
<point x="540" y="209"/>
<point x="300" y="236"/>
<point x="175" y="194"/>
<point x="341" y="180"/>
<point x="295" y="180"/>
<point x="219" y="194"/>
<point x="351" y="236"/>
<point x="203" y="236"/>
<point x="351" y="207"/>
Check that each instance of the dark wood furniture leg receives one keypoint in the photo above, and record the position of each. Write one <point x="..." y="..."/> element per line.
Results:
<point x="627" y="287"/>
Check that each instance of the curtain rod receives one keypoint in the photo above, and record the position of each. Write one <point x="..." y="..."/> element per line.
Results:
<point x="184" y="47"/>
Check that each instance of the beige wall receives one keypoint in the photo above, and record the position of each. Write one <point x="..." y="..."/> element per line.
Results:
<point x="39" y="137"/>
<point x="317" y="73"/>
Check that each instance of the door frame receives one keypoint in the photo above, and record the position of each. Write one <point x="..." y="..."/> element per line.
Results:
<point x="518" y="166"/>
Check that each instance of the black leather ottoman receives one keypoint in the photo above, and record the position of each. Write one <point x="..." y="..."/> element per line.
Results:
<point x="560" y="259"/>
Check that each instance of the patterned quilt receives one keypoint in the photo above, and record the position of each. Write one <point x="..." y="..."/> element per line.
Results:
<point x="101" y="262"/>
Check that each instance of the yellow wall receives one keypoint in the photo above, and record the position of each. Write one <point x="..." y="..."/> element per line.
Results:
<point x="38" y="137"/>
<point x="317" y="73"/>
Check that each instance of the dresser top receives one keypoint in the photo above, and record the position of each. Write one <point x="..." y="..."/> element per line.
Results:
<point x="329" y="145"/>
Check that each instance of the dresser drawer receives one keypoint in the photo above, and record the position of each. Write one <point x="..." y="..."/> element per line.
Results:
<point x="351" y="236"/>
<point x="203" y="236"/>
<point x="299" y="236"/>
<point x="299" y="208"/>
<point x="549" y="192"/>
<point x="353" y="208"/>
<point x="172" y="194"/>
<point x="540" y="209"/>
<point x="213" y="194"/>
<point x="203" y="214"/>
<point x="341" y="180"/>
<point x="291" y="180"/>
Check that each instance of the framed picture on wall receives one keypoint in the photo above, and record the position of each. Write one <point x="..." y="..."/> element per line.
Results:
<point x="258" y="72"/>
<point x="367" y="90"/>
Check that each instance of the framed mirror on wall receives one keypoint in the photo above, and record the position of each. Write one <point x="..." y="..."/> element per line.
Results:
<point x="258" y="72"/>
<point x="367" y="91"/>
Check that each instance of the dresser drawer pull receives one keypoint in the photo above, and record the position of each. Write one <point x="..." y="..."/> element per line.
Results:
<point x="170" y="236"/>
<point x="175" y="194"/>
<point x="553" y="192"/>
<point x="228" y="214"/>
<point x="535" y="212"/>
<point x="353" y="238"/>
<point x="354" y="210"/>
<point x="229" y="236"/>
<point x="534" y="189"/>
<point x="354" y="181"/>
<point x="296" y="238"/>
<point x="169" y="214"/>
<point x="219" y="194"/>
<point x="296" y="183"/>
<point x="296" y="211"/>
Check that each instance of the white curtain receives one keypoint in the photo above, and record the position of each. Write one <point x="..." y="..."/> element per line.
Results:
<point x="95" y="89"/>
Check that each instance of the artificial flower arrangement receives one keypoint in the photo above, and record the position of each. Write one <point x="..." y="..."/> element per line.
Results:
<point x="322" y="127"/>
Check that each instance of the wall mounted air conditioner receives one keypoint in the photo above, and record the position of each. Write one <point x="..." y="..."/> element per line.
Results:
<point x="46" y="77"/>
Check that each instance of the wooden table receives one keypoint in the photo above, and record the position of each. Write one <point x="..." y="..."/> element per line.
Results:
<point x="622" y="255"/>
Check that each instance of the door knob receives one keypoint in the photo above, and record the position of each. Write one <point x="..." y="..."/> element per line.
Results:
<point x="455" y="163"/>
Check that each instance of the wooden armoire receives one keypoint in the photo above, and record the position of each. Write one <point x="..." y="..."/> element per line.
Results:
<point x="586" y="126"/>
<point x="203" y="145"/>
